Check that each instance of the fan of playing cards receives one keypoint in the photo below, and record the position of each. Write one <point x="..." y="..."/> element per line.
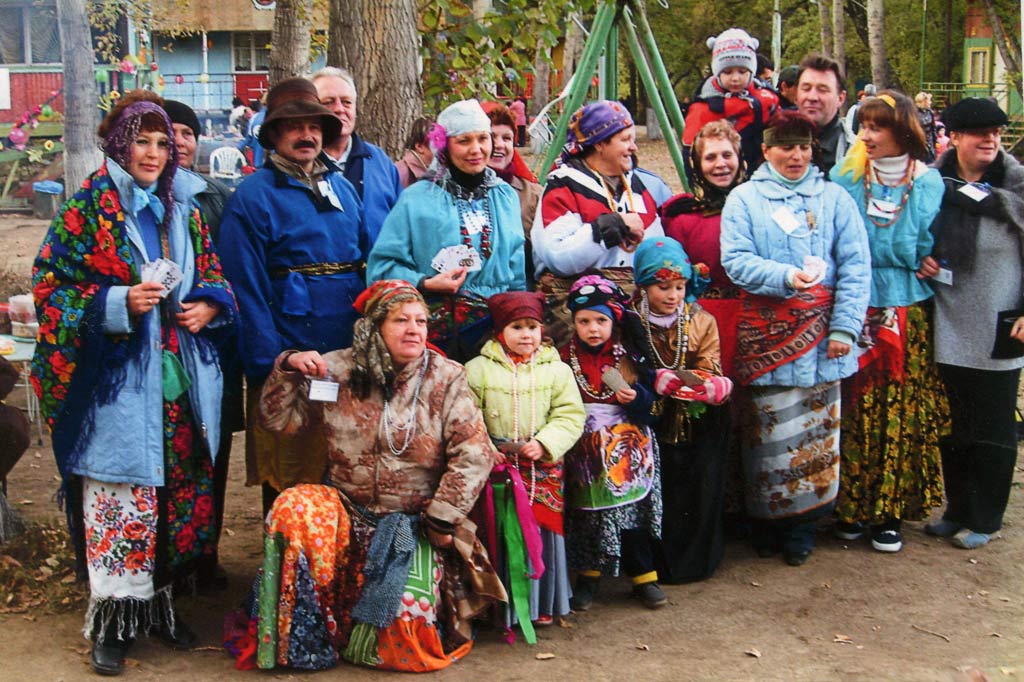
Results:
<point x="459" y="256"/>
<point x="164" y="271"/>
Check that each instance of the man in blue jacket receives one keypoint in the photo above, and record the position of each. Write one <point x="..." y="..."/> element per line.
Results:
<point x="293" y="243"/>
<point x="365" y="165"/>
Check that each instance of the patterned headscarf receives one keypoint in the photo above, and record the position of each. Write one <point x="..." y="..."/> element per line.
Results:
<point x="373" y="365"/>
<point x="118" y="146"/>
<point x="593" y="292"/>
<point x="663" y="259"/>
<point x="593" y="123"/>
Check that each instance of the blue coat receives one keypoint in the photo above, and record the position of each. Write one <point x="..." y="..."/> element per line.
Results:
<point x="127" y="445"/>
<point x="375" y="179"/>
<point x="426" y="220"/>
<point x="897" y="250"/>
<point x="273" y="222"/>
<point x="758" y="256"/>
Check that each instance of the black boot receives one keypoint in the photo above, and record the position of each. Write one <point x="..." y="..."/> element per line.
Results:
<point x="179" y="637"/>
<point x="584" y="592"/>
<point x="108" y="650"/>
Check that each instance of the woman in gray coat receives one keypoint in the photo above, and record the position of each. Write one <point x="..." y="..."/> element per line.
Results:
<point x="978" y="267"/>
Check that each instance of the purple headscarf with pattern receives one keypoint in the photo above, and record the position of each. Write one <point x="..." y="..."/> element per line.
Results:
<point x="593" y="123"/>
<point x="118" y="146"/>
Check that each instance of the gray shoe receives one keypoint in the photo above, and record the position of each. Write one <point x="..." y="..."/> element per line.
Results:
<point x="650" y="595"/>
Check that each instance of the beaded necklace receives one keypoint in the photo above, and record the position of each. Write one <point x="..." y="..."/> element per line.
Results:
<point x="581" y="379"/>
<point x="462" y="198"/>
<point x="682" y="333"/>
<point x="908" y="184"/>
<point x="533" y="413"/>
<point x="410" y="425"/>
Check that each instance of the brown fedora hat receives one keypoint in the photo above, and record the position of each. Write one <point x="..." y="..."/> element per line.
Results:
<point x="297" y="98"/>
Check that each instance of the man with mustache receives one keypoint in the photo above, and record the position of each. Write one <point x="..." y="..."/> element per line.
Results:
<point x="294" y="245"/>
<point x="365" y="165"/>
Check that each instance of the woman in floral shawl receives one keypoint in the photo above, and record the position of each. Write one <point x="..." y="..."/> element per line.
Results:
<point x="126" y="286"/>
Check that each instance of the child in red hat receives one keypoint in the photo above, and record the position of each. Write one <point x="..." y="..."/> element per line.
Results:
<point x="534" y="415"/>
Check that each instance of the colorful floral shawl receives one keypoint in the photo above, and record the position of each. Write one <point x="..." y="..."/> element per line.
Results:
<point x="76" y="366"/>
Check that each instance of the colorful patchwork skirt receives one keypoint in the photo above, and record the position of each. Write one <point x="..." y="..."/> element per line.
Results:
<point x="313" y="577"/>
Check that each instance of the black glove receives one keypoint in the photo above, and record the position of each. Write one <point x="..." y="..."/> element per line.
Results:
<point x="610" y="229"/>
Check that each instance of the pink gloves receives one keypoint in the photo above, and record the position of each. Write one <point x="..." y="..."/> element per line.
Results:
<point x="714" y="391"/>
<point x="666" y="382"/>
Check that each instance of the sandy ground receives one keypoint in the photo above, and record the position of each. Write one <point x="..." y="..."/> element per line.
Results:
<point x="929" y="613"/>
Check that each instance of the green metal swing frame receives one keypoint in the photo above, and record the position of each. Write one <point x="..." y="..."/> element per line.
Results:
<point x="604" y="40"/>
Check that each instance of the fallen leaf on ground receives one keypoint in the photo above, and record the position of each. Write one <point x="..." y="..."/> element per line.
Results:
<point x="642" y="647"/>
<point x="983" y="593"/>
<point x="230" y="533"/>
<point x="841" y="639"/>
<point x="755" y="583"/>
<point x="1008" y="671"/>
<point x="563" y="623"/>
<point x="26" y="502"/>
<point x="544" y="656"/>
<point x="753" y="652"/>
<point x="995" y="634"/>
<point x="972" y="561"/>
<point x="1004" y="599"/>
<point x="207" y="648"/>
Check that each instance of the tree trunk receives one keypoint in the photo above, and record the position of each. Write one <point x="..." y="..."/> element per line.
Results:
<point x="838" y="33"/>
<point x="876" y="43"/>
<point x="289" y="51"/>
<point x="379" y="43"/>
<point x="947" y="65"/>
<point x="825" y="24"/>
<point x="541" y="79"/>
<point x="81" y="115"/>
<point x="1008" y="47"/>
<point x="573" y="48"/>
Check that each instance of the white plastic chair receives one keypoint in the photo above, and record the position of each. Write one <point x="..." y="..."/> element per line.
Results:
<point x="226" y="163"/>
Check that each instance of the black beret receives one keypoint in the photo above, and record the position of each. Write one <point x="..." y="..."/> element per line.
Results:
<point x="179" y="112"/>
<point x="972" y="113"/>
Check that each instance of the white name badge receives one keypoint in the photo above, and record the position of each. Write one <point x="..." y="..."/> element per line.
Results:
<point x="475" y="221"/>
<point x="878" y="208"/>
<point x="944" y="276"/>
<point x="323" y="391"/>
<point x="785" y="219"/>
<point x="974" y="191"/>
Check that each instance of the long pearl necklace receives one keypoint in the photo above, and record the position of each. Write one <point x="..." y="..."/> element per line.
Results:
<point x="682" y="333"/>
<point x="533" y="413"/>
<point x="581" y="378"/>
<point x="410" y="424"/>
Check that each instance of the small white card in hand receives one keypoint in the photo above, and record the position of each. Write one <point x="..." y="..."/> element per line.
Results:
<point x="323" y="391"/>
<point x="165" y="272"/>
<point x="816" y="268"/>
<point x="785" y="219"/>
<point x="613" y="379"/>
<point x="944" y="276"/>
<point x="974" y="191"/>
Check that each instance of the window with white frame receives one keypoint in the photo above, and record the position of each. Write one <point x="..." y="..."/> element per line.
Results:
<point x="978" y="65"/>
<point x="29" y="33"/>
<point x="251" y="50"/>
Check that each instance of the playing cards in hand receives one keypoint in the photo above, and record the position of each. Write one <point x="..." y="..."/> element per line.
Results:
<point x="164" y="271"/>
<point x="459" y="256"/>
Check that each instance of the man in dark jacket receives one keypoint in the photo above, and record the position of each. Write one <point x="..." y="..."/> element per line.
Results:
<point x="211" y="205"/>
<point x="365" y="165"/>
<point x="821" y="92"/>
